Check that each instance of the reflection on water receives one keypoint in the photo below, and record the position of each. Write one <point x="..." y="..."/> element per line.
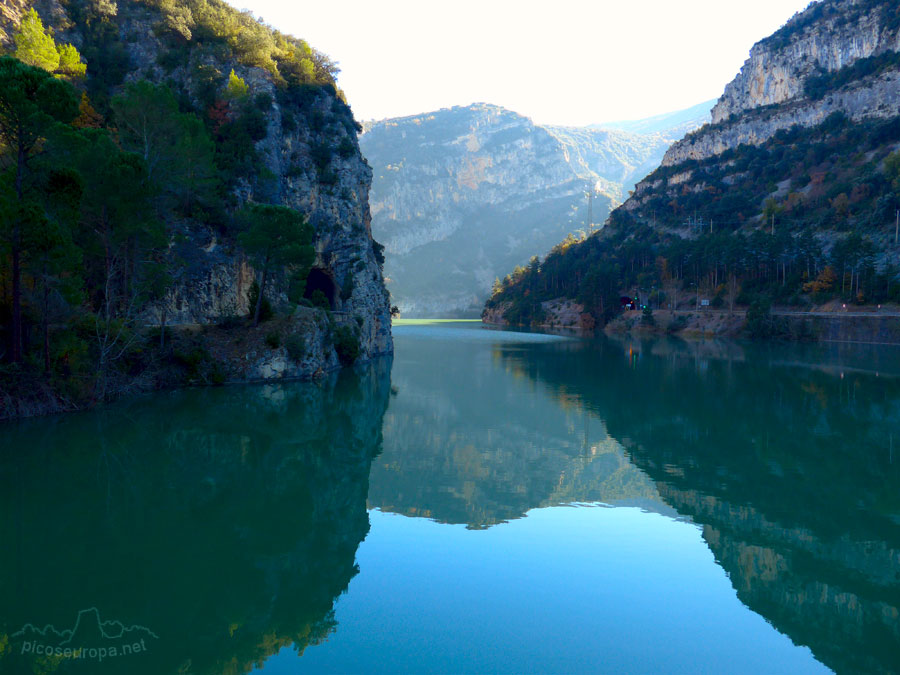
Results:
<point x="472" y="444"/>
<point x="785" y="456"/>
<point x="224" y="522"/>
<point x="227" y="528"/>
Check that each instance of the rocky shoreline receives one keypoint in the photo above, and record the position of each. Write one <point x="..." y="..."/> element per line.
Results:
<point x="293" y="348"/>
<point x="862" y="326"/>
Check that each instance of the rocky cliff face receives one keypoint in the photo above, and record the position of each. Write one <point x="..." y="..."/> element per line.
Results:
<point x="214" y="283"/>
<point x="799" y="154"/>
<point x="769" y="94"/>
<point x="212" y="276"/>
<point x="461" y="196"/>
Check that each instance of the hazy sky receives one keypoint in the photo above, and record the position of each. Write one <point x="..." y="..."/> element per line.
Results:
<point x="559" y="61"/>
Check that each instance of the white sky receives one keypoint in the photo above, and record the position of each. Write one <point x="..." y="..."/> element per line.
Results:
<point x="560" y="61"/>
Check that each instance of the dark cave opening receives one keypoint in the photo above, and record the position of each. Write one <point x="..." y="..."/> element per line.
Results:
<point x="321" y="280"/>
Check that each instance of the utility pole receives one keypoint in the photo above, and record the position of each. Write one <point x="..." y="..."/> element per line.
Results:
<point x="591" y="188"/>
<point x="591" y="210"/>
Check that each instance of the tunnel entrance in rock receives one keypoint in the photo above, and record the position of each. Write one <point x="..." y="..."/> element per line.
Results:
<point x="321" y="280"/>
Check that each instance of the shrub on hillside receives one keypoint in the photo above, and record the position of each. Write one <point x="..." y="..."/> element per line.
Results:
<point x="346" y="344"/>
<point x="296" y="347"/>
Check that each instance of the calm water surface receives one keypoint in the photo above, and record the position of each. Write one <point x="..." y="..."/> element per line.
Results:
<point x="487" y="502"/>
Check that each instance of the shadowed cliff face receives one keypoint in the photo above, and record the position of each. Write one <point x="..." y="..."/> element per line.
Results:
<point x="788" y="465"/>
<point x="219" y="524"/>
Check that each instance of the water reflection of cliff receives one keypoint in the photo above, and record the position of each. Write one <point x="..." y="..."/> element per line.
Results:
<point x="784" y="455"/>
<point x="449" y="456"/>
<point x="224" y="521"/>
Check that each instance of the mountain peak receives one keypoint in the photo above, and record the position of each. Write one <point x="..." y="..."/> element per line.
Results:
<point x="462" y="194"/>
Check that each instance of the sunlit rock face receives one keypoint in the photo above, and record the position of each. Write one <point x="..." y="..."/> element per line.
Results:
<point x="461" y="196"/>
<point x="826" y="38"/>
<point x="769" y="95"/>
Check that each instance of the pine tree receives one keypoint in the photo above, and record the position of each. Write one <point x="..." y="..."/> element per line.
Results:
<point x="237" y="89"/>
<point x="275" y="235"/>
<point x="34" y="45"/>
<point x="31" y="103"/>
<point x="70" y="64"/>
<point x="88" y="117"/>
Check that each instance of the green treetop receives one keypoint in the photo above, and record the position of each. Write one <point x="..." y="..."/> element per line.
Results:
<point x="237" y="88"/>
<point x="175" y="146"/>
<point x="892" y="170"/>
<point x="36" y="47"/>
<point x="32" y="102"/>
<point x="70" y="63"/>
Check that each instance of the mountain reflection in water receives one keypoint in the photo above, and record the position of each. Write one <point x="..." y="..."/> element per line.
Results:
<point x="229" y="529"/>
<point x="784" y="454"/>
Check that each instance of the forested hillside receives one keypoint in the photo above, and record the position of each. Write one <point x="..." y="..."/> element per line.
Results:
<point x="166" y="164"/>
<point x="789" y="197"/>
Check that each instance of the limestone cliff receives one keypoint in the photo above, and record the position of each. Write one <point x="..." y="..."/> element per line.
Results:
<point x="770" y="93"/>
<point x="211" y="274"/>
<point x="798" y="160"/>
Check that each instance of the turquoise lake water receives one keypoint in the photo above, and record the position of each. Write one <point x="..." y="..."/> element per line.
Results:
<point x="486" y="501"/>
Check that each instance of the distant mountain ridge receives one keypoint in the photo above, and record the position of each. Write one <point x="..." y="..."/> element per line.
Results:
<point x="462" y="195"/>
<point x="674" y="124"/>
